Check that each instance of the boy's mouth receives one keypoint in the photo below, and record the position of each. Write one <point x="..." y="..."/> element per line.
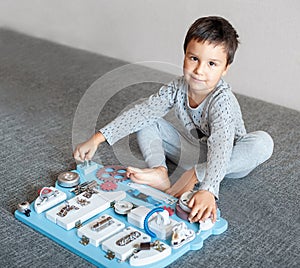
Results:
<point x="197" y="79"/>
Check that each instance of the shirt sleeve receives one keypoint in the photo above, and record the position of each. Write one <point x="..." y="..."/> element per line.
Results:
<point x="141" y="115"/>
<point x="219" y="143"/>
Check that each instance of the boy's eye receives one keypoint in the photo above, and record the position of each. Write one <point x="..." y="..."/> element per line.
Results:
<point x="211" y="63"/>
<point x="193" y="58"/>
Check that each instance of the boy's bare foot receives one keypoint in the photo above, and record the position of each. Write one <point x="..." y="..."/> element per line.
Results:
<point x="185" y="183"/>
<point x="155" y="177"/>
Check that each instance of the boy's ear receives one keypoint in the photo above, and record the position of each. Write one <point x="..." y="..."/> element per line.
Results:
<point x="226" y="70"/>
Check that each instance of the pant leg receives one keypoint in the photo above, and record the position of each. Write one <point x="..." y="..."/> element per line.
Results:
<point x="162" y="140"/>
<point x="249" y="152"/>
<point x="154" y="140"/>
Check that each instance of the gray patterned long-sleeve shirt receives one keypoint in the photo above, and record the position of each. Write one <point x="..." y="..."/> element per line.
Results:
<point x="220" y="121"/>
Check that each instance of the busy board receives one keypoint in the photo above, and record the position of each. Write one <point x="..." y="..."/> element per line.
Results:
<point x="100" y="215"/>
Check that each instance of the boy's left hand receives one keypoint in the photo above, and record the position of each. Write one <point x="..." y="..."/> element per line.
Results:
<point x="203" y="206"/>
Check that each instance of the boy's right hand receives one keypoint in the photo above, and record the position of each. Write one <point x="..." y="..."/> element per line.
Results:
<point x="86" y="150"/>
<point x="203" y="206"/>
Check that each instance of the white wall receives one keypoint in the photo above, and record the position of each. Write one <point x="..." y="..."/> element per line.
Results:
<point x="267" y="63"/>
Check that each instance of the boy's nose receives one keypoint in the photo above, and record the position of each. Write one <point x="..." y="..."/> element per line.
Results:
<point x="199" y="69"/>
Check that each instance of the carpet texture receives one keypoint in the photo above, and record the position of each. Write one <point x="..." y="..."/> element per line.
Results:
<point x="41" y="85"/>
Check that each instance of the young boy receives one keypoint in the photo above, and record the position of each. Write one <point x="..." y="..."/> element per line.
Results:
<point x="214" y="143"/>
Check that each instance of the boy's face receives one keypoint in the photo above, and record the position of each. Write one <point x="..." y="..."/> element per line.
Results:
<point x="204" y="65"/>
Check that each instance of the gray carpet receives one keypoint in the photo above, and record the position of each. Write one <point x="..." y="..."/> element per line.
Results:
<point x="41" y="84"/>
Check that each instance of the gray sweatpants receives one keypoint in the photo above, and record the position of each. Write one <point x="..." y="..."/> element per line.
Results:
<point x="162" y="140"/>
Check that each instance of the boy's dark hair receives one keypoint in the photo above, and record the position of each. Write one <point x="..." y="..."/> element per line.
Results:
<point x="215" y="30"/>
